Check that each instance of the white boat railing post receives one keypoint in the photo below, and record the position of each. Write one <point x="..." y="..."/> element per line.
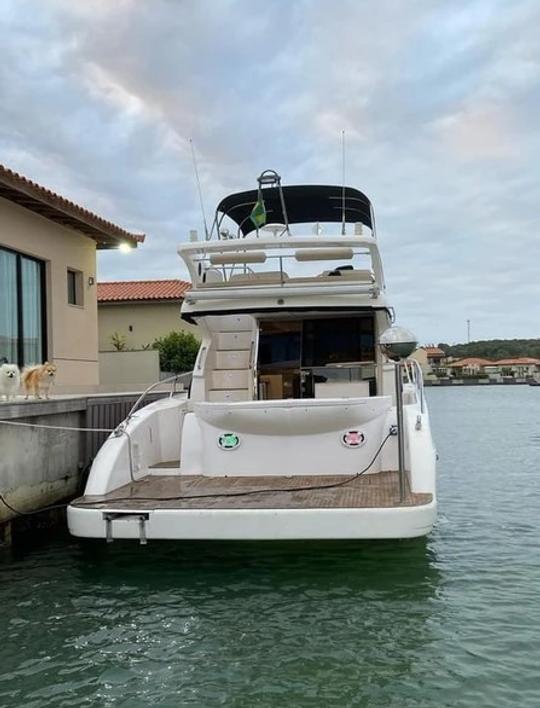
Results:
<point x="400" y="436"/>
<point x="398" y="343"/>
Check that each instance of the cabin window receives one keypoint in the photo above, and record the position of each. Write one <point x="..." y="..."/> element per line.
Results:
<point x="317" y="357"/>
<point x="280" y="344"/>
<point x="22" y="308"/>
<point x="337" y="341"/>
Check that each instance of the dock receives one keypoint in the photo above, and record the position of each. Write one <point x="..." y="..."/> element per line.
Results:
<point x="40" y="466"/>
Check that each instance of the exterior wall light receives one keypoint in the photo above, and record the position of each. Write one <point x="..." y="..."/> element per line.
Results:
<point x="124" y="247"/>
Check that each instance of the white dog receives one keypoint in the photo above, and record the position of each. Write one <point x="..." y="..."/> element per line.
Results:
<point x="10" y="380"/>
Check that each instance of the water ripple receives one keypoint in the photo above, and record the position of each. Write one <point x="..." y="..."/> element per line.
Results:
<point x="447" y="621"/>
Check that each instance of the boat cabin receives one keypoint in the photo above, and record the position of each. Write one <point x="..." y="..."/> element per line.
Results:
<point x="286" y="315"/>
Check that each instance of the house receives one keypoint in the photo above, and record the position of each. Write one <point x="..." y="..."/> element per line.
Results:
<point x="434" y="356"/>
<point x="520" y="367"/>
<point x="430" y="358"/>
<point x="48" y="298"/>
<point x="137" y="312"/>
<point x="469" y="366"/>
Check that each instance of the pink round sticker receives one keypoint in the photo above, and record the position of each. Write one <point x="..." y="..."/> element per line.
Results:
<point x="353" y="438"/>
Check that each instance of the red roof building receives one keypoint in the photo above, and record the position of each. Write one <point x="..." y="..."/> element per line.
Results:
<point x="137" y="312"/>
<point x="48" y="247"/>
<point x="32" y="196"/>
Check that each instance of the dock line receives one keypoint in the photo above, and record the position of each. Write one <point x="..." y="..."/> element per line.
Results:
<point x="57" y="427"/>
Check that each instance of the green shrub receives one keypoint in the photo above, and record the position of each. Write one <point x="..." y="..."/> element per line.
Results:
<point x="177" y="351"/>
<point x="119" y="342"/>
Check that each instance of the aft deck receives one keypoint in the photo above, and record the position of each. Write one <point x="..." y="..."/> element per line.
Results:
<point x="380" y="490"/>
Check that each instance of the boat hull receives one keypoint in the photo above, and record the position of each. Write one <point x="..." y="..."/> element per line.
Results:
<point x="256" y="524"/>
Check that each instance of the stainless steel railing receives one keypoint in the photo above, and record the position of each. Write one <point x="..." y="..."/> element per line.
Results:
<point x="414" y="373"/>
<point x="174" y="379"/>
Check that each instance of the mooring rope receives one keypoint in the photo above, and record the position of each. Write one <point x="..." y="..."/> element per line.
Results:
<point x="18" y="512"/>
<point x="57" y="427"/>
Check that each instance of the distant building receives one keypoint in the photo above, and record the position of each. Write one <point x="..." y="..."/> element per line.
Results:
<point x="434" y="356"/>
<point x="139" y="311"/>
<point x="520" y="367"/>
<point x="48" y="301"/>
<point x="469" y="366"/>
<point x="430" y="358"/>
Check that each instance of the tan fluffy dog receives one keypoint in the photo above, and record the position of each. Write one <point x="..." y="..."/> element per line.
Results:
<point x="38" y="379"/>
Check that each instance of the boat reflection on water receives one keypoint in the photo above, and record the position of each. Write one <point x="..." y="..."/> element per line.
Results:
<point x="395" y="567"/>
<point x="336" y="621"/>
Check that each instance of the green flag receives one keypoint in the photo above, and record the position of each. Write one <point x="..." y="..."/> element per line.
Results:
<point x="258" y="213"/>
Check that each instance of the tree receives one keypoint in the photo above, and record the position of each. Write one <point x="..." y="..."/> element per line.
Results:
<point x="494" y="348"/>
<point x="177" y="351"/>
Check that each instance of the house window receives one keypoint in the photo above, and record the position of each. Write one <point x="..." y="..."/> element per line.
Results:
<point x="74" y="287"/>
<point x="22" y="308"/>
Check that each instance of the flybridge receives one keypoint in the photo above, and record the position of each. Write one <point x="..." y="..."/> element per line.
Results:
<point x="262" y="261"/>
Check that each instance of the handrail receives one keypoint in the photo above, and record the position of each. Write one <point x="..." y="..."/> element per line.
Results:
<point x="120" y="428"/>
<point x="416" y="377"/>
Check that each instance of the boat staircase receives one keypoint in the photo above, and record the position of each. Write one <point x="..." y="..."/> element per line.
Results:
<point x="230" y="365"/>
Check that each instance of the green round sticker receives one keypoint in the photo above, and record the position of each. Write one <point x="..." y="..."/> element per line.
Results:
<point x="228" y="441"/>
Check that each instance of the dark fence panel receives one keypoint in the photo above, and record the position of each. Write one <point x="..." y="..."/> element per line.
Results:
<point x="108" y="412"/>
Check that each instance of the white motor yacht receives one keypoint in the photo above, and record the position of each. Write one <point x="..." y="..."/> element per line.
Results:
<point x="293" y="426"/>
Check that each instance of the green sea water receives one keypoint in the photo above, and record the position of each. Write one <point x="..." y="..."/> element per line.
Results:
<point x="451" y="620"/>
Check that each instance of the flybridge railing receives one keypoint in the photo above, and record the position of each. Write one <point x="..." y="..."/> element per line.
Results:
<point x="352" y="261"/>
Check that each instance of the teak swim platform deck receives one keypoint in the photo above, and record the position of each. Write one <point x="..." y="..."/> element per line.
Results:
<point x="380" y="490"/>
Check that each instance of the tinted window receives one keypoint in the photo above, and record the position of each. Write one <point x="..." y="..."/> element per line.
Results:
<point x="339" y="340"/>
<point x="280" y="344"/>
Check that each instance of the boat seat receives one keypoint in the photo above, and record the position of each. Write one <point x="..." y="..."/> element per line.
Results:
<point x="335" y="279"/>
<point x="268" y="277"/>
<point x="364" y="276"/>
<point x="212" y="275"/>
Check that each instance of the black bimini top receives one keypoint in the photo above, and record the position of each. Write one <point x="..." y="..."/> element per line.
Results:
<point x="309" y="203"/>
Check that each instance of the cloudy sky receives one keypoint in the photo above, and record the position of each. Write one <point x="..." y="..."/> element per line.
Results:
<point x="439" y="100"/>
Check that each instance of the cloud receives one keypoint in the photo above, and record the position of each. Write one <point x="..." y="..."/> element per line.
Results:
<point x="439" y="102"/>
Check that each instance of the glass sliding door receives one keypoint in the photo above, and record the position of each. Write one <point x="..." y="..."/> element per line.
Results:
<point x="316" y="356"/>
<point x="22" y="308"/>
<point x="32" y="311"/>
<point x="9" y="333"/>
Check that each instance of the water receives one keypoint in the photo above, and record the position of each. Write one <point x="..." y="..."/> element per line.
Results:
<point x="448" y="621"/>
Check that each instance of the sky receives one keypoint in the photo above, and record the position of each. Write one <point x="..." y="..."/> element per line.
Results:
<point x="439" y="102"/>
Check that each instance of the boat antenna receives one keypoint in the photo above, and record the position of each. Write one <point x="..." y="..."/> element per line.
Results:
<point x="196" y="170"/>
<point x="343" y="230"/>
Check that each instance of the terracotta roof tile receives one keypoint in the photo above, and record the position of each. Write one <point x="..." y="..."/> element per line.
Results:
<point x="54" y="207"/>
<point x="472" y="361"/>
<point x="137" y="290"/>
<point x="433" y="351"/>
<point x="523" y="361"/>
